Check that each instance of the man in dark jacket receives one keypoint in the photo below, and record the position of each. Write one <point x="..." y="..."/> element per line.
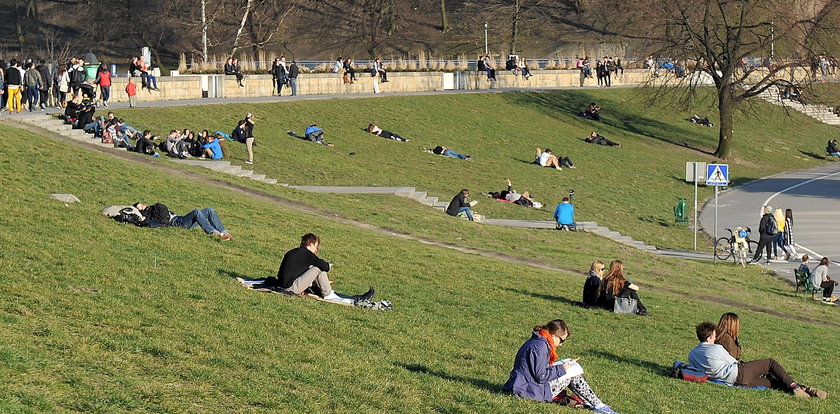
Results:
<point x="459" y="204"/>
<point x="302" y="269"/>
<point x="294" y="71"/>
<point x="767" y="229"/>
<point x="158" y="215"/>
<point x="46" y="83"/>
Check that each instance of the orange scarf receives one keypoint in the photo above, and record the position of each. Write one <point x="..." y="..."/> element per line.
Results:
<point x="552" y="350"/>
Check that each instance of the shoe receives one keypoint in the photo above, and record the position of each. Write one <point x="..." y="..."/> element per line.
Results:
<point x="249" y="162"/>
<point x="604" y="409"/>
<point x="156" y="155"/>
<point x="816" y="392"/>
<point x="558" y="168"/>
<point x="225" y="236"/>
<point x="572" y="167"/>
<point x="367" y="296"/>
<point x="799" y="392"/>
<point x="105" y="104"/>
<point x="833" y="299"/>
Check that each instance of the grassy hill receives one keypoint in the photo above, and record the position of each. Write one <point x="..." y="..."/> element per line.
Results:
<point x="103" y="317"/>
<point x="631" y="189"/>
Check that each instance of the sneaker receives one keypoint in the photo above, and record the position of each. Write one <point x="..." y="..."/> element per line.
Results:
<point x="225" y="236"/>
<point x="604" y="409"/>
<point x="816" y="393"/>
<point x="799" y="392"/>
<point x="249" y="162"/>
<point x="367" y="296"/>
<point x="156" y="155"/>
<point x="558" y="168"/>
<point x="105" y="104"/>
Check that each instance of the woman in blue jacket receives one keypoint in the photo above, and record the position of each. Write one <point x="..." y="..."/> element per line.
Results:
<point x="538" y="375"/>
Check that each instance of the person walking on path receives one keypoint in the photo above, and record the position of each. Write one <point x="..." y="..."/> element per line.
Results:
<point x="14" y="81"/>
<point x="46" y="84"/>
<point x="32" y="80"/>
<point x="103" y="79"/>
<point x="767" y="230"/>
<point x="789" y="234"/>
<point x="248" y="130"/>
<point x="779" y="240"/>
<point x="294" y="71"/>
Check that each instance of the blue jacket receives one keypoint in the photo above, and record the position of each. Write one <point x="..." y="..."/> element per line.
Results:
<point x="215" y="147"/>
<point x="564" y="213"/>
<point x="531" y="373"/>
<point x="311" y="129"/>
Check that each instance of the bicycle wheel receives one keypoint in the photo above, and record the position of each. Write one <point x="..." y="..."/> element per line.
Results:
<point x="723" y="248"/>
<point x="753" y="246"/>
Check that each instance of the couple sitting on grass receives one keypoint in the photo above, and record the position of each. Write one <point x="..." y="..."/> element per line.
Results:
<point x="612" y="292"/>
<point x="719" y="356"/>
<point x="548" y="159"/>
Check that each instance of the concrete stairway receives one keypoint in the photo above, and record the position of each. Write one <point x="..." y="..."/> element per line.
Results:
<point x="51" y="123"/>
<point x="822" y="113"/>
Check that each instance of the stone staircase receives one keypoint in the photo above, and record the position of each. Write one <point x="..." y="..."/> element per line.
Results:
<point x="53" y="124"/>
<point x="822" y="113"/>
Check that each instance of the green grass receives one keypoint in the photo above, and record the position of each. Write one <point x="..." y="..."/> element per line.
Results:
<point x="631" y="190"/>
<point x="103" y="317"/>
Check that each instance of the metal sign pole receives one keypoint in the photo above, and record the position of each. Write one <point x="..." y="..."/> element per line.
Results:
<point x="695" y="206"/>
<point x="714" y="260"/>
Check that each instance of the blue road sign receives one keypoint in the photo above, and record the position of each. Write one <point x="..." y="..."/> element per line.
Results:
<point x="717" y="174"/>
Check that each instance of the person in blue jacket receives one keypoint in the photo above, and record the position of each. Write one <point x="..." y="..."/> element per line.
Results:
<point x="212" y="149"/>
<point x="315" y="134"/>
<point x="565" y="215"/>
<point x="538" y="375"/>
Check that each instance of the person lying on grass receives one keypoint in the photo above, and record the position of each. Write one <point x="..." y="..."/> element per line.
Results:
<point x="718" y="364"/>
<point x="512" y="196"/>
<point x="302" y="270"/>
<point x="375" y="130"/>
<point x="596" y="138"/>
<point x="538" y="375"/>
<point x="616" y="285"/>
<point x="547" y="159"/>
<point x="159" y="215"/>
<point x="441" y="150"/>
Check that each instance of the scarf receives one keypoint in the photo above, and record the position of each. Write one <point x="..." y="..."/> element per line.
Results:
<point x="552" y="350"/>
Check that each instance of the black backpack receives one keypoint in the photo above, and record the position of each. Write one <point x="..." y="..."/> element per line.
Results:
<point x="129" y="215"/>
<point x="772" y="227"/>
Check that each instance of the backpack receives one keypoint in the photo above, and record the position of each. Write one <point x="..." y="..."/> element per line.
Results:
<point x="76" y="76"/>
<point x="772" y="227"/>
<point x="130" y="215"/>
<point x="683" y="371"/>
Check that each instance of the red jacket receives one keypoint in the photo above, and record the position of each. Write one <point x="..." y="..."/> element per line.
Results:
<point x="104" y="78"/>
<point x="131" y="89"/>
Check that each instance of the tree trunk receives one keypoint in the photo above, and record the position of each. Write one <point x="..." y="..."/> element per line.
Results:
<point x="444" y="20"/>
<point x="245" y="14"/>
<point x="726" y="107"/>
<point x="514" y="25"/>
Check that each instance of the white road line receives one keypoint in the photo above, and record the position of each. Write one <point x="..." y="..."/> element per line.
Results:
<point x="766" y="202"/>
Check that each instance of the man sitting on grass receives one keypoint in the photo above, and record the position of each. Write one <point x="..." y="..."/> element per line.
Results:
<point x="832" y="149"/>
<point x="159" y="215"/>
<point x="302" y="270"/>
<point x="718" y="364"/>
<point x="547" y="159"/>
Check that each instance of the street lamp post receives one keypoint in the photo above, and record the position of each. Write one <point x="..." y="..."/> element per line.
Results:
<point x="486" y="50"/>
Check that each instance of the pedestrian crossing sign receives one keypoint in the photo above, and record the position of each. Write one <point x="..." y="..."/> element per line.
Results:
<point x="717" y="174"/>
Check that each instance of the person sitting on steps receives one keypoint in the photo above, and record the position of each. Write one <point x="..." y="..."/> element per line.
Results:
<point x="459" y="204"/>
<point x="303" y="271"/>
<point x="564" y="214"/>
<point x="547" y="159"/>
<point x="718" y="364"/>
<point x="375" y="130"/>
<point x="538" y="375"/>
<point x="595" y="138"/>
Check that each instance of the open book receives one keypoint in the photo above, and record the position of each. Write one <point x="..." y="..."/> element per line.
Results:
<point x="574" y="368"/>
<point x="473" y="203"/>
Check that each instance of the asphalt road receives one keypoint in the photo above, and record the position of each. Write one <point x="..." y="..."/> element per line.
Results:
<point x="814" y="197"/>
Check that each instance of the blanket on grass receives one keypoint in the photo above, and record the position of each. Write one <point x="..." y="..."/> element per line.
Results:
<point x="347" y="300"/>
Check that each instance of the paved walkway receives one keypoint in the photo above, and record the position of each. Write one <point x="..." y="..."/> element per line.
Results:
<point x="814" y="197"/>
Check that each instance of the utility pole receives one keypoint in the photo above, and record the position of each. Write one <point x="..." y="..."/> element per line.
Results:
<point x="486" y="49"/>
<point x="204" y="29"/>
<point x="772" y="39"/>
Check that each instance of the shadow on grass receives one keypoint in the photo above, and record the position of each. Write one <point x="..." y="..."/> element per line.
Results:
<point x="544" y="296"/>
<point x="575" y="103"/>
<point x="475" y="382"/>
<point x="812" y="155"/>
<point x="234" y="275"/>
<point x="653" y="367"/>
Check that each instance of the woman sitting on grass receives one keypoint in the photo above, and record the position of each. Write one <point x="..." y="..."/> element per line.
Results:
<point x="727" y="334"/>
<point x="616" y="285"/>
<point x="538" y="375"/>
<point x="375" y="130"/>
<point x="593" y="284"/>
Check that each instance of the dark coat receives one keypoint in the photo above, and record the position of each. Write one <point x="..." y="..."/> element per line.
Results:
<point x="531" y="372"/>
<point x="456" y="204"/>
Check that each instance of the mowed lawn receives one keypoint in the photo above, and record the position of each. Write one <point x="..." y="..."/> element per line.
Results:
<point x="631" y="190"/>
<point x="103" y="317"/>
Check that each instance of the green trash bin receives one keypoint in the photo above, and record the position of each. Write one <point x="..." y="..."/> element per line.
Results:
<point x="90" y="71"/>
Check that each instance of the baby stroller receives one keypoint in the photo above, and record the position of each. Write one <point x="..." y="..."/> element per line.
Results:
<point x="88" y="91"/>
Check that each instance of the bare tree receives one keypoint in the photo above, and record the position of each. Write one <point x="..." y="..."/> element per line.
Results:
<point x="444" y="19"/>
<point x="721" y="35"/>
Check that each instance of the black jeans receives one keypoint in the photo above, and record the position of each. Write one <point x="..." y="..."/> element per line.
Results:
<point x="765" y="242"/>
<point x="828" y="288"/>
<point x="755" y="373"/>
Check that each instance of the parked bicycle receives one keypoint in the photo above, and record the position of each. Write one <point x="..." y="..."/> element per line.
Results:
<point x="738" y="246"/>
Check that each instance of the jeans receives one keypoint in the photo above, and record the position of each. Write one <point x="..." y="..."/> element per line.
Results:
<point x="106" y="93"/>
<point x="453" y="154"/>
<point x="32" y="94"/>
<point x="97" y="129"/>
<point x="779" y="241"/>
<point x="293" y="85"/>
<point x="468" y="211"/>
<point x="206" y="218"/>
<point x="150" y="81"/>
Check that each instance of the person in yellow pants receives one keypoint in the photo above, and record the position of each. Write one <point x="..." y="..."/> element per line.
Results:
<point x="14" y="80"/>
<point x="14" y="99"/>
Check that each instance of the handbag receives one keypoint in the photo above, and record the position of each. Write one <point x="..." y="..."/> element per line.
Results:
<point x="625" y="305"/>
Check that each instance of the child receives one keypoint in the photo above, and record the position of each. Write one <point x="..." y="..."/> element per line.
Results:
<point x="131" y="91"/>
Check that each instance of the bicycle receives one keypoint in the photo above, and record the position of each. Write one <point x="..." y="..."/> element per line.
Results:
<point x="738" y="246"/>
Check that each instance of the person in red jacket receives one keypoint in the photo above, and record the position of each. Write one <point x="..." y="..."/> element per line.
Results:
<point x="103" y="79"/>
<point x="131" y="91"/>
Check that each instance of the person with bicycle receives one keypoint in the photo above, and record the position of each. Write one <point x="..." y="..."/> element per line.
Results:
<point x="767" y="230"/>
